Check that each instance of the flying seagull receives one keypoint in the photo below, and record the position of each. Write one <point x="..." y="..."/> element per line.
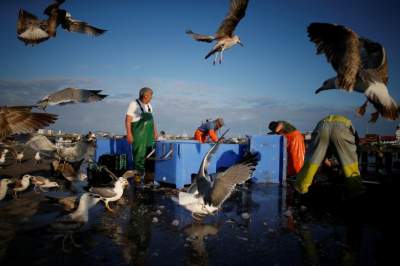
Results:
<point x="32" y="30"/>
<point x="361" y="65"/>
<point x="20" y="119"/>
<point x="224" y="36"/>
<point x="70" y="95"/>
<point x="206" y="196"/>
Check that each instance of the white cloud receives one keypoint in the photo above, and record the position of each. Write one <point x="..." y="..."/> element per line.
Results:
<point x="179" y="107"/>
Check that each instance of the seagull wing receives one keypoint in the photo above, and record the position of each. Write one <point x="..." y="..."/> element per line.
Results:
<point x="374" y="59"/>
<point x="203" y="181"/>
<point x="81" y="27"/>
<point x="200" y="37"/>
<point x="53" y="6"/>
<point x="18" y="119"/>
<point x="236" y="12"/>
<point x="106" y="192"/>
<point x="226" y="181"/>
<point x="24" y="20"/>
<point x="91" y="95"/>
<point x="30" y="29"/>
<point x="207" y="158"/>
<point x="41" y="143"/>
<point x="341" y="47"/>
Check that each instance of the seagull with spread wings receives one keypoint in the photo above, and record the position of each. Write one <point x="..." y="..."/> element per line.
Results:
<point x="361" y="65"/>
<point x="224" y="36"/>
<point x="32" y="30"/>
<point x="20" y="119"/>
<point x="206" y="196"/>
<point x="75" y="222"/>
<point x="70" y="95"/>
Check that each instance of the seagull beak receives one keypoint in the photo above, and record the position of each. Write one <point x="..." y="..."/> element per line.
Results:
<point x="321" y="89"/>
<point x="241" y="44"/>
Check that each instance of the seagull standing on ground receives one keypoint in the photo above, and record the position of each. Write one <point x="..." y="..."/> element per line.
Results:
<point x="42" y="182"/>
<point x="360" y="64"/>
<point x="3" y="157"/>
<point x="21" y="185"/>
<point x="4" y="187"/>
<point x="206" y="196"/>
<point x="38" y="159"/>
<point x="224" y="36"/>
<point x="76" y="221"/>
<point x="19" y="156"/>
<point x="71" y="95"/>
<point x="110" y="194"/>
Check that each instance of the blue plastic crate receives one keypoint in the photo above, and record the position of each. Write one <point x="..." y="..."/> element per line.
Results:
<point x="272" y="165"/>
<point x="114" y="146"/>
<point x="176" y="161"/>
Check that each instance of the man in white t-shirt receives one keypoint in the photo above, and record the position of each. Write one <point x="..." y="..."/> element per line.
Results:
<point x="141" y="130"/>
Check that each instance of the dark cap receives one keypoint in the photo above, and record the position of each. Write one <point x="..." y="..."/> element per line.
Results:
<point x="272" y="126"/>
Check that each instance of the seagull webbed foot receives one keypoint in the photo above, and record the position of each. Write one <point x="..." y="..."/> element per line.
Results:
<point x="374" y="117"/>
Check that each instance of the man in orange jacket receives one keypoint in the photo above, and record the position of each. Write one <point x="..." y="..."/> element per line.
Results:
<point x="208" y="129"/>
<point x="295" y="145"/>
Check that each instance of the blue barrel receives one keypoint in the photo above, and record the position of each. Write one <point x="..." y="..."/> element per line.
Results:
<point x="178" y="160"/>
<point x="272" y="165"/>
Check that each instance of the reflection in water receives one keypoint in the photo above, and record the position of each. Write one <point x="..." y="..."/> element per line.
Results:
<point x="130" y="229"/>
<point x="197" y="233"/>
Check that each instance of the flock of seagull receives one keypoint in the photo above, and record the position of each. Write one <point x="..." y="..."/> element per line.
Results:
<point x="360" y="64"/>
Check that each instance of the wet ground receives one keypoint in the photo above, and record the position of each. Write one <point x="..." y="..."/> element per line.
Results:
<point x="260" y="224"/>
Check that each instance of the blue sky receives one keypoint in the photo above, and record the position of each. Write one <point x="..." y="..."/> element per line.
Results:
<point x="273" y="77"/>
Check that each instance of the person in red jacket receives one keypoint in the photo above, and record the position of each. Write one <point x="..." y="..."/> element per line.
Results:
<point x="208" y="130"/>
<point x="295" y="145"/>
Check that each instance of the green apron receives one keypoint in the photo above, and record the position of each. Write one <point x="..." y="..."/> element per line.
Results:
<point x="143" y="139"/>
